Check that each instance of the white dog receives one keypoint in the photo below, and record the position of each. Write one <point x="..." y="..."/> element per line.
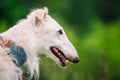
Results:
<point x="37" y="34"/>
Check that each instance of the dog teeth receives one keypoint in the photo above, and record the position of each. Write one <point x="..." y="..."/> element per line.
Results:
<point x="56" y="50"/>
<point x="66" y="61"/>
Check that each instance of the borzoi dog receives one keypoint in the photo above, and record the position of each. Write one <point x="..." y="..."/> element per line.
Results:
<point x="37" y="34"/>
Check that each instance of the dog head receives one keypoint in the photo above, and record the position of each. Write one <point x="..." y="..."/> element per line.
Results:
<point x="52" y="40"/>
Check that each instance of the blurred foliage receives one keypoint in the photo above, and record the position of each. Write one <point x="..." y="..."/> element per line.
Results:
<point x="93" y="26"/>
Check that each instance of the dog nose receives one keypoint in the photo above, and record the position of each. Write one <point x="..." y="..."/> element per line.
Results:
<point x="76" y="60"/>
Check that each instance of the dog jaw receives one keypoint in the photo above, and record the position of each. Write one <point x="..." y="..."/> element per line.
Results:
<point x="63" y="59"/>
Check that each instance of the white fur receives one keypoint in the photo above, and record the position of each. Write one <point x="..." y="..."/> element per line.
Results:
<point x="35" y="34"/>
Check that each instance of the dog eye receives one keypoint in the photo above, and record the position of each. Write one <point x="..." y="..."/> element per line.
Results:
<point x="60" y="32"/>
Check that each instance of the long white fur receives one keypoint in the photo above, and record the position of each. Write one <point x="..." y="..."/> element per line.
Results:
<point x="35" y="34"/>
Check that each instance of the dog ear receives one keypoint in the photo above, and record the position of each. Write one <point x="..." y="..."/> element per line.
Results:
<point x="40" y="14"/>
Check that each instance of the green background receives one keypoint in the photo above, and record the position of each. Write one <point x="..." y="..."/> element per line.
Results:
<point x="93" y="26"/>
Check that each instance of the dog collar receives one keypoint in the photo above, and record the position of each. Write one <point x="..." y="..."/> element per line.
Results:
<point x="17" y="53"/>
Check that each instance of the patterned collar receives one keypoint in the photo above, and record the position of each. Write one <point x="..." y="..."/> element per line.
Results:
<point x="16" y="53"/>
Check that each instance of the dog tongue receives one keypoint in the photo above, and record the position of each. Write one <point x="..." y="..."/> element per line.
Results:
<point x="61" y="57"/>
<point x="63" y="60"/>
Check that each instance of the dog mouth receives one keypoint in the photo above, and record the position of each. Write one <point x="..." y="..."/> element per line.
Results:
<point x="60" y="55"/>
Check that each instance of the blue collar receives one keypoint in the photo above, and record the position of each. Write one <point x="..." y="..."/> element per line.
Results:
<point x="17" y="53"/>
